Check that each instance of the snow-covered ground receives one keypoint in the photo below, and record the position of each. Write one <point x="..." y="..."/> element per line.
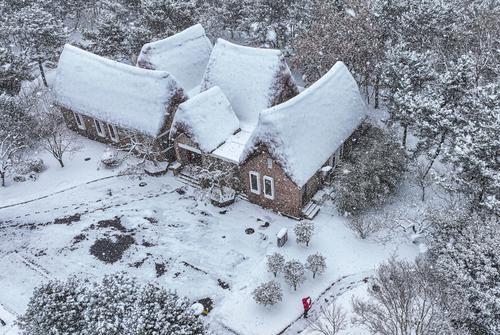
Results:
<point x="177" y="239"/>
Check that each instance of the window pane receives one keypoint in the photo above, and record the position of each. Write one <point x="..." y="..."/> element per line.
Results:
<point x="98" y="126"/>
<point x="268" y="187"/>
<point x="111" y="131"/>
<point x="254" y="182"/>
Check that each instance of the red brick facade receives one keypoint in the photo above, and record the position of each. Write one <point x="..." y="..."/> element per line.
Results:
<point x="287" y="195"/>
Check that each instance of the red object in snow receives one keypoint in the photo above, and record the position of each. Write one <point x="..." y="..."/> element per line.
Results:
<point x="306" y="302"/>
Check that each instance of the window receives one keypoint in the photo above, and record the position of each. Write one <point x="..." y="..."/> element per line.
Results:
<point x="341" y="151"/>
<point x="99" y="127"/>
<point x="79" y="121"/>
<point x="254" y="182"/>
<point x="269" y="163"/>
<point x="334" y="158"/>
<point x="268" y="187"/>
<point x="112" y="132"/>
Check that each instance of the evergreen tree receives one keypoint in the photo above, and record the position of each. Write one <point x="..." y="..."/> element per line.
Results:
<point x="13" y="70"/>
<point x="39" y="34"/>
<point x="55" y="308"/>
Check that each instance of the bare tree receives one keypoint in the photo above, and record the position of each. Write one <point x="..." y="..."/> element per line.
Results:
<point x="331" y="320"/>
<point x="365" y="225"/>
<point x="403" y="301"/>
<point x="51" y="131"/>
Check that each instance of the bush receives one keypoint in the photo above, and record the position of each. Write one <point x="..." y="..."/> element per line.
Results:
<point x="268" y="294"/>
<point x="110" y="159"/>
<point x="371" y="172"/>
<point x="316" y="263"/>
<point x="275" y="263"/>
<point x="118" y="305"/>
<point x="294" y="273"/>
<point x="36" y="165"/>
<point x="303" y="232"/>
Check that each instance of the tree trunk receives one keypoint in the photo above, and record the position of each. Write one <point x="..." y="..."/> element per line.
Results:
<point x="423" y="193"/>
<point x="60" y="162"/>
<point x="314" y="275"/>
<point x="2" y="175"/>
<point x="405" y="135"/>
<point x="42" y="72"/>
<point x="376" y="92"/>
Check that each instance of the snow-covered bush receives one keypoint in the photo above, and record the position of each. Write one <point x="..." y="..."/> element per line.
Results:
<point x="162" y="312"/>
<point x="303" y="232"/>
<point x="371" y="172"/>
<point x="110" y="158"/>
<point x="294" y="273"/>
<point x="116" y="305"/>
<point x="275" y="263"/>
<point x="316" y="263"/>
<point x="36" y="165"/>
<point x="56" y="307"/>
<point x="268" y="294"/>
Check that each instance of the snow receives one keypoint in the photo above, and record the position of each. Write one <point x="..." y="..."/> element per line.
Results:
<point x="113" y="92"/>
<point x="185" y="55"/>
<point x="208" y="119"/>
<point x="246" y="75"/>
<point x="282" y="233"/>
<point x="187" y="230"/>
<point x="303" y="132"/>
<point x="233" y="147"/>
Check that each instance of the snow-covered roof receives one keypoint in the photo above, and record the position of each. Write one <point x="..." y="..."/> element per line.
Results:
<point x="185" y="55"/>
<point x="303" y="132"/>
<point x="233" y="147"/>
<point x="207" y="118"/>
<point x="248" y="76"/>
<point x="124" y="95"/>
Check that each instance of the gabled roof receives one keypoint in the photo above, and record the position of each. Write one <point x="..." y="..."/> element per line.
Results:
<point x="303" y="132"/>
<point x="249" y="77"/>
<point x="185" y="55"/>
<point x="123" y="95"/>
<point x="207" y="118"/>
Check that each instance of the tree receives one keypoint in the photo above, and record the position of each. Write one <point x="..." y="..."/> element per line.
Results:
<point x="364" y="225"/>
<point x="316" y="263"/>
<point x="15" y="134"/>
<point x="115" y="305"/>
<point x="56" y="307"/>
<point x="344" y="31"/>
<point x="39" y="34"/>
<point x="371" y="172"/>
<point x="13" y="70"/>
<point x="275" y="263"/>
<point x="268" y="294"/>
<point x="111" y="38"/>
<point x="50" y="129"/>
<point x="402" y="301"/>
<point x="303" y="232"/>
<point x="465" y="257"/>
<point x="294" y="273"/>
<point x="407" y="78"/>
<point x="331" y="321"/>
<point x="160" y="312"/>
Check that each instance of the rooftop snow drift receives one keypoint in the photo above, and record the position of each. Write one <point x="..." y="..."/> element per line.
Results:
<point x="207" y="118"/>
<point x="185" y="55"/>
<point x="124" y="95"/>
<point x="304" y="131"/>
<point x="248" y="77"/>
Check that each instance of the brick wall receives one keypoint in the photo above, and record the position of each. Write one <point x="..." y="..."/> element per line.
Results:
<point x="91" y="132"/>
<point x="287" y="195"/>
<point x="184" y="156"/>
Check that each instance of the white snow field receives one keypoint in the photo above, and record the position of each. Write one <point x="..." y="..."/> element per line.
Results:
<point x="178" y="240"/>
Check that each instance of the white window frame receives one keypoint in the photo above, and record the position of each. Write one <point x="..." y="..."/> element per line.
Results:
<point x="99" y="124"/>
<point x="111" y="130"/>
<point x="270" y="179"/>
<point x="79" y="120"/>
<point x="257" y="177"/>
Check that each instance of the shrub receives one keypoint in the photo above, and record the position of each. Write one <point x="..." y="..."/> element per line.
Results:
<point x="303" y="232"/>
<point x="275" y="263"/>
<point x="268" y="294"/>
<point x="316" y="263"/>
<point x="294" y="273"/>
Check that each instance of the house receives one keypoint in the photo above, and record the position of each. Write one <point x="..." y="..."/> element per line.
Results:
<point x="185" y="55"/>
<point x="296" y="144"/>
<point x="110" y="102"/>
<point x="247" y="81"/>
